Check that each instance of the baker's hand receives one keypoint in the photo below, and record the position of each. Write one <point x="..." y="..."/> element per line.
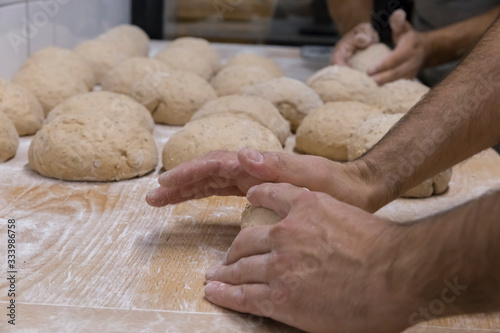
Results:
<point x="359" y="38"/>
<point x="233" y="173"/>
<point x="408" y="56"/>
<point x="323" y="268"/>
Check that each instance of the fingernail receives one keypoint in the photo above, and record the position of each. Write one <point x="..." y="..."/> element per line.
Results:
<point x="211" y="289"/>
<point x="250" y="190"/>
<point x="253" y="155"/>
<point x="211" y="273"/>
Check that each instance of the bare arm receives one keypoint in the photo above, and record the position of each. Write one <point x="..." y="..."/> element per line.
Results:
<point x="457" y="119"/>
<point x="348" y="14"/>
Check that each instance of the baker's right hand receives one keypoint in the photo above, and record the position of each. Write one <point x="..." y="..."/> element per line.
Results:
<point x="359" y="38"/>
<point x="226" y="173"/>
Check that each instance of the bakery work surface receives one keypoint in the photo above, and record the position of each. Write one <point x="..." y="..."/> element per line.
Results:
<point x="95" y="256"/>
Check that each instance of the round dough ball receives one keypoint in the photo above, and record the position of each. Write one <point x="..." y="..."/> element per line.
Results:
<point x="236" y="79"/>
<point x="370" y="57"/>
<point x="254" y="60"/>
<point x="9" y="140"/>
<point x="371" y="132"/>
<point x="400" y="96"/>
<point x="130" y="39"/>
<point x="133" y="75"/>
<point x="255" y="108"/>
<point x="340" y="84"/>
<point x="49" y="83"/>
<point x="293" y="98"/>
<point x="185" y="59"/>
<point x="326" y="131"/>
<point x="254" y="216"/>
<point x="103" y="103"/>
<point x="223" y="132"/>
<point x="100" y="55"/>
<point x="200" y="46"/>
<point x="21" y="107"/>
<point x="66" y="60"/>
<point x="89" y="148"/>
<point x="177" y="96"/>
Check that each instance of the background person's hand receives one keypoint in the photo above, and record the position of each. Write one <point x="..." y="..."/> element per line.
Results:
<point x="323" y="268"/>
<point x="233" y="173"/>
<point x="359" y="38"/>
<point x="408" y="56"/>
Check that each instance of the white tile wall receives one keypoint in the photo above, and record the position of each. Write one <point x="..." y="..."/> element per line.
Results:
<point x="64" y="23"/>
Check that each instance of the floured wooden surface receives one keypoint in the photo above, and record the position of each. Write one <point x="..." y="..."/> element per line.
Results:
<point x="95" y="256"/>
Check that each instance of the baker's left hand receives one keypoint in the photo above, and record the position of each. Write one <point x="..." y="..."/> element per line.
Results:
<point x="323" y="268"/>
<point x="408" y="56"/>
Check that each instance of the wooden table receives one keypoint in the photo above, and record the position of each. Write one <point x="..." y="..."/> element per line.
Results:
<point x="96" y="257"/>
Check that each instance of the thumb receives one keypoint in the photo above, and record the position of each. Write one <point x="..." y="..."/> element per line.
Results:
<point x="399" y="25"/>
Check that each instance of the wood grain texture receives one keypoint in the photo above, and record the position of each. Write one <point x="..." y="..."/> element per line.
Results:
<point x="95" y="256"/>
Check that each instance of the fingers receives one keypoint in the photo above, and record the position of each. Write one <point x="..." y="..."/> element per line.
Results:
<point x="342" y="53"/>
<point x="286" y="168"/>
<point x="403" y="71"/>
<point x="393" y="60"/>
<point x="249" y="242"/>
<point x="246" y="298"/>
<point x="278" y="197"/>
<point x="246" y="270"/>
<point x="399" y="25"/>
<point x="364" y="36"/>
<point x="162" y="196"/>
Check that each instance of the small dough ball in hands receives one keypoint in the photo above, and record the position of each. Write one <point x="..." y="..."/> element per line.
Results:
<point x="371" y="132"/>
<point x="370" y="57"/>
<point x="133" y="75"/>
<point x="200" y="46"/>
<point x="254" y="216"/>
<point x="255" y="108"/>
<point x="104" y="103"/>
<point x="234" y="80"/>
<point x="21" y="107"/>
<point x="49" y="83"/>
<point x="342" y="84"/>
<point x="326" y="131"/>
<point x="185" y="59"/>
<point x="224" y="132"/>
<point x="293" y="98"/>
<point x="86" y="147"/>
<point x="9" y="140"/>
<point x="66" y="60"/>
<point x="176" y="96"/>
<point x="130" y="39"/>
<point x="400" y="96"/>
<point x="255" y="60"/>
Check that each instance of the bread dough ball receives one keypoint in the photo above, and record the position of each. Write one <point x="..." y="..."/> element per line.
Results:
<point x="236" y="79"/>
<point x="9" y="140"/>
<point x="185" y="59"/>
<point x="130" y="39"/>
<point x="255" y="108"/>
<point x="200" y="46"/>
<point x="254" y="60"/>
<point x="371" y="132"/>
<point x="341" y="84"/>
<point x="101" y="56"/>
<point x="66" y="60"/>
<point x="223" y="132"/>
<point x="400" y="96"/>
<point x="177" y="96"/>
<point x="103" y="103"/>
<point x="21" y="107"/>
<point x="49" y="83"/>
<point x="293" y="98"/>
<point x="254" y="216"/>
<point x="134" y="75"/>
<point x="370" y="57"/>
<point x="89" y="148"/>
<point x="326" y="131"/>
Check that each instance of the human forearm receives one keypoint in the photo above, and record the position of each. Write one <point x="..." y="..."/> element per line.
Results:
<point x="452" y="42"/>
<point x="449" y="264"/>
<point x="348" y="14"/>
<point x="457" y="119"/>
